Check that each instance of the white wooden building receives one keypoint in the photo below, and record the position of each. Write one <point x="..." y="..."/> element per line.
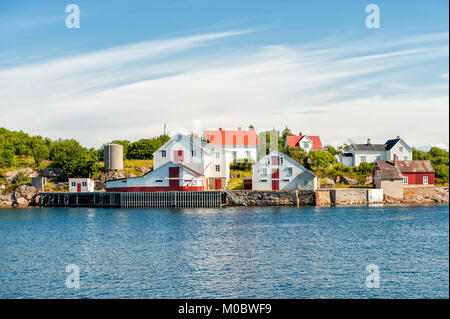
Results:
<point x="277" y="171"/>
<point x="81" y="185"/>
<point x="370" y="153"/>
<point x="169" y="176"/>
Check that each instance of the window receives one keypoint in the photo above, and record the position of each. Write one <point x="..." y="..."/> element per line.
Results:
<point x="234" y="154"/>
<point x="425" y="180"/>
<point x="84" y="183"/>
<point x="217" y="154"/>
<point x="268" y="161"/>
<point x="159" y="181"/>
<point x="305" y="145"/>
<point x="194" y="182"/>
<point x="263" y="180"/>
<point x="363" y="159"/>
<point x="405" y="180"/>
<point x="193" y="153"/>
<point x="405" y="158"/>
<point x="281" y="161"/>
<point x="74" y="184"/>
<point x="163" y="153"/>
<point x="124" y="181"/>
<point x="264" y="172"/>
<point x="247" y="154"/>
<point x="217" y="168"/>
<point x="289" y="171"/>
<point x="378" y="157"/>
<point x="285" y="180"/>
<point x="400" y="149"/>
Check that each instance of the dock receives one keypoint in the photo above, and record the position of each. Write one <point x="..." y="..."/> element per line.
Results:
<point x="133" y="199"/>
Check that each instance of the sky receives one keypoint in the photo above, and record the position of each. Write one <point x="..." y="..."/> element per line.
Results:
<point x="313" y="66"/>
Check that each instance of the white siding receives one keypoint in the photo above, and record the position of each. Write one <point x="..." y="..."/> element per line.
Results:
<point x="292" y="176"/>
<point x="403" y="151"/>
<point x="89" y="185"/>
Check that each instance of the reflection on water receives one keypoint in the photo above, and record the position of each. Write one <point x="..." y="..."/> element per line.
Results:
<point x="225" y="252"/>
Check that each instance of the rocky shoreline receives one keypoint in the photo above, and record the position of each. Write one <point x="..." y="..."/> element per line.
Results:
<point x="25" y="195"/>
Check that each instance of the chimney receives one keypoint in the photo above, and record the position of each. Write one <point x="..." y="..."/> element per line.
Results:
<point x="239" y="128"/>
<point x="398" y="136"/>
<point x="369" y="142"/>
<point x="300" y="134"/>
<point x="395" y="160"/>
<point x="220" y="129"/>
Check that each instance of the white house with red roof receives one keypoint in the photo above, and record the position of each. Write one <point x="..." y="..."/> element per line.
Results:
<point x="237" y="144"/>
<point x="306" y="142"/>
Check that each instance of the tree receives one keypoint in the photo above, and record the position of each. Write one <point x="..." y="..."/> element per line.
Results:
<point x="332" y="150"/>
<point x="365" y="168"/>
<point x="298" y="154"/>
<point x="286" y="132"/>
<point x="74" y="159"/>
<point x="40" y="149"/>
<point x="6" y="157"/>
<point x="319" y="159"/>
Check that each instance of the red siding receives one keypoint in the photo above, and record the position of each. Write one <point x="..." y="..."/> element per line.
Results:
<point x="155" y="189"/>
<point x="417" y="178"/>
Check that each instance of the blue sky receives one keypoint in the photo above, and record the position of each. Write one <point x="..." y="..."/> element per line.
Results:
<point x="311" y="65"/>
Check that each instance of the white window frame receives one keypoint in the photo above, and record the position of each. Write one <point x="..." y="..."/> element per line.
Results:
<point x="305" y="144"/>
<point x="217" y="154"/>
<point x="163" y="153"/>
<point x="405" y="180"/>
<point x="217" y="168"/>
<point x="425" y="178"/>
<point x="289" y="171"/>
<point x="400" y="149"/>
<point x="363" y="159"/>
<point x="405" y="158"/>
<point x="193" y="153"/>
<point x="264" y="172"/>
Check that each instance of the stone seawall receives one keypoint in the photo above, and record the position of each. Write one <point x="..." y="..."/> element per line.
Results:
<point x="275" y="198"/>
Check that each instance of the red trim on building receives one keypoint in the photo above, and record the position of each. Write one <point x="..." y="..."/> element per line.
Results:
<point x="231" y="137"/>
<point x="155" y="189"/>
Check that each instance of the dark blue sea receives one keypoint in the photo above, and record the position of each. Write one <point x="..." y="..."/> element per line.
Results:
<point x="225" y="253"/>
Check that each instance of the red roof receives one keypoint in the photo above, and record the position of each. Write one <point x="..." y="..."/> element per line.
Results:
<point x="231" y="137"/>
<point x="294" y="140"/>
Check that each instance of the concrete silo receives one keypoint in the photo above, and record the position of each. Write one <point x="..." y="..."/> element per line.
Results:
<point x="113" y="157"/>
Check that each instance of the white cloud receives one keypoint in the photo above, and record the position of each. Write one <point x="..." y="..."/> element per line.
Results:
<point x="336" y="88"/>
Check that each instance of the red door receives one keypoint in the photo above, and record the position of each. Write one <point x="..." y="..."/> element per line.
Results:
<point x="218" y="183"/>
<point x="178" y="156"/>
<point x="78" y="187"/>
<point x="275" y="184"/>
<point x="174" y="172"/>
<point x="275" y="173"/>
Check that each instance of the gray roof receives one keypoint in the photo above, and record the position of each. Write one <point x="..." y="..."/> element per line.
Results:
<point x="376" y="147"/>
<point x="369" y="147"/>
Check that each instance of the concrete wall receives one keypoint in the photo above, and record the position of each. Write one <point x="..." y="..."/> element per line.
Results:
<point x="419" y="190"/>
<point x="375" y="195"/>
<point x="392" y="188"/>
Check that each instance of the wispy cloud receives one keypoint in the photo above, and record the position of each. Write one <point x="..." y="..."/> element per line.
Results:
<point x="338" y="88"/>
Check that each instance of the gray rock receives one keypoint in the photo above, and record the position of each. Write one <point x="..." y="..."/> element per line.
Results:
<point x="50" y="172"/>
<point x="11" y="176"/>
<point x="350" y="181"/>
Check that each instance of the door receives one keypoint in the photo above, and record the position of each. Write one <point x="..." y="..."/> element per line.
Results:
<point x="275" y="173"/>
<point x="79" y="187"/>
<point x="275" y="184"/>
<point x="178" y="156"/>
<point x="174" y="172"/>
<point x="218" y="183"/>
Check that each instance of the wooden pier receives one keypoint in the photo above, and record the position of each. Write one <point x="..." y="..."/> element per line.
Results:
<point x="134" y="200"/>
